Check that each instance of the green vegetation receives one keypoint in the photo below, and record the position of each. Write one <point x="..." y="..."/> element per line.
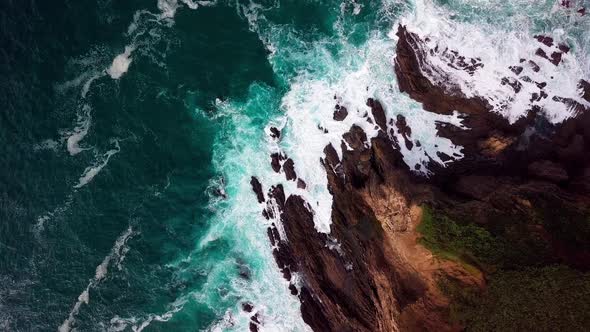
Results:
<point x="554" y="298"/>
<point x="565" y="221"/>
<point x="525" y="291"/>
<point x="449" y="240"/>
<point x="476" y="247"/>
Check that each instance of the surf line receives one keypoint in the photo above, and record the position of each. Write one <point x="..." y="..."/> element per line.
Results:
<point x="117" y="254"/>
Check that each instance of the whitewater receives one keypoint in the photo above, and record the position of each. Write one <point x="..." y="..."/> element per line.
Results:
<point x="344" y="60"/>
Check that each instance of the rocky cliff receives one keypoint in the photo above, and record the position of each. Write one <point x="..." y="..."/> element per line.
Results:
<point x="527" y="183"/>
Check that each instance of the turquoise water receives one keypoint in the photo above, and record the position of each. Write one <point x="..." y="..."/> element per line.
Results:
<point x="122" y="123"/>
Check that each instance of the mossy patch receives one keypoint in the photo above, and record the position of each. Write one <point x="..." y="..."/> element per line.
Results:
<point x="468" y="244"/>
<point x="525" y="290"/>
<point x="473" y="245"/>
<point x="553" y="298"/>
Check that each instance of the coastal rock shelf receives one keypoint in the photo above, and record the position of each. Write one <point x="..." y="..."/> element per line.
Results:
<point x="372" y="271"/>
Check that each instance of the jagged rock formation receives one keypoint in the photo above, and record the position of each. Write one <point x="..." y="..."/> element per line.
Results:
<point x="529" y="181"/>
<point x="510" y="171"/>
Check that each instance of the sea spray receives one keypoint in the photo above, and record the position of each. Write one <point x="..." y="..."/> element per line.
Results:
<point x="501" y="47"/>
<point x="80" y="131"/>
<point x="200" y="112"/>
<point x="91" y="171"/>
<point x="117" y="254"/>
<point x="241" y="150"/>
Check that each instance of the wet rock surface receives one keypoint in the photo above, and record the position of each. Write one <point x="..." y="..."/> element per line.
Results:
<point x="275" y="133"/>
<point x="276" y="160"/>
<point x="340" y="113"/>
<point x="374" y="276"/>
<point x="530" y="161"/>
<point x="257" y="188"/>
<point x="289" y="168"/>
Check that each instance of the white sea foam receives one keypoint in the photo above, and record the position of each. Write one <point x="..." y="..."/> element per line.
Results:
<point x="168" y="7"/>
<point x="498" y="48"/>
<point x="139" y="324"/>
<point x="121" y="63"/>
<point x="91" y="171"/>
<point x="237" y="219"/>
<point x="75" y="82"/>
<point x="309" y="105"/>
<point x="47" y="216"/>
<point x="90" y="72"/>
<point x="117" y="255"/>
<point x="79" y="132"/>
<point x="192" y="4"/>
<point x="352" y="76"/>
<point x="89" y="82"/>
<point x="47" y="144"/>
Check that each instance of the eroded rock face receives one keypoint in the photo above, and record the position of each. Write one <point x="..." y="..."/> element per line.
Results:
<point x="357" y="282"/>
<point x="378" y="113"/>
<point x="356" y="278"/>
<point x="370" y="273"/>
<point x="491" y="143"/>
<point x="510" y="171"/>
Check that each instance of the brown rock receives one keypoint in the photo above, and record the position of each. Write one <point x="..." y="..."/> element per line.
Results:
<point x="476" y="186"/>
<point x="584" y="87"/>
<point x="278" y="194"/>
<point x="340" y="113"/>
<point x="356" y="138"/>
<point x="270" y="234"/>
<point x="404" y="130"/>
<point x="495" y="145"/>
<point x="275" y="161"/>
<point x="293" y="289"/>
<point x="556" y="58"/>
<point x="516" y="85"/>
<point x="534" y="66"/>
<point x="380" y="278"/>
<point x="301" y="184"/>
<point x="253" y="327"/>
<point x="564" y="48"/>
<point x="331" y="155"/>
<point x="378" y="113"/>
<point x="257" y="188"/>
<point x="289" y="168"/>
<point x="544" y="40"/>
<point x="548" y="170"/>
<point x="516" y="69"/>
<point x="540" y="52"/>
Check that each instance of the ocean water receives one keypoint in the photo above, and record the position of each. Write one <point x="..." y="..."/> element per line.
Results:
<point x="129" y="131"/>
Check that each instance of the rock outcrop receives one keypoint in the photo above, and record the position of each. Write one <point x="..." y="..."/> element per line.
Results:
<point x="528" y="180"/>
<point x="526" y="170"/>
